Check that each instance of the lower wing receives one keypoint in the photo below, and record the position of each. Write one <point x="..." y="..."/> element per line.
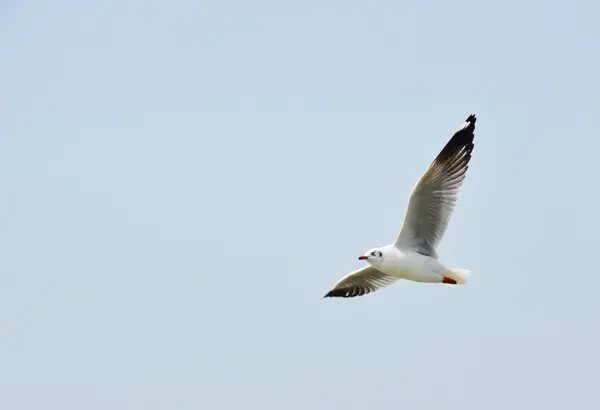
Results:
<point x="360" y="282"/>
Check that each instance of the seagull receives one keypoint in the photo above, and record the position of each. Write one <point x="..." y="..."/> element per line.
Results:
<point x="413" y="255"/>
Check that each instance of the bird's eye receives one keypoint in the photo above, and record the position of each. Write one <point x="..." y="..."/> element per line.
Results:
<point x="374" y="253"/>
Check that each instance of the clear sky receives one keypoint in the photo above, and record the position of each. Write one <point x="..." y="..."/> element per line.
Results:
<point x="183" y="181"/>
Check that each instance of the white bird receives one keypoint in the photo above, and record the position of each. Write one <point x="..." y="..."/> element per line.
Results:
<point x="413" y="255"/>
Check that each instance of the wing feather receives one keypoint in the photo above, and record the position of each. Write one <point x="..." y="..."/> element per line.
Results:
<point x="360" y="282"/>
<point x="434" y="196"/>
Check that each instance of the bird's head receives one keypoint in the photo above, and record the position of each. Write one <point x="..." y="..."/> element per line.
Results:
<point x="373" y="256"/>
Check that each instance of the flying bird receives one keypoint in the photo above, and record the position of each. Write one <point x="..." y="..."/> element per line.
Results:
<point x="413" y="255"/>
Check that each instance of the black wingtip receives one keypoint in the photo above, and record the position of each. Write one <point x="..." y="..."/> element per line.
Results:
<point x="469" y="123"/>
<point x="337" y="293"/>
<point x="331" y="294"/>
<point x="462" y="139"/>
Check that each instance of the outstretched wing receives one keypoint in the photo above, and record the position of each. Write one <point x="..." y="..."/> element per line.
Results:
<point x="434" y="196"/>
<point x="360" y="282"/>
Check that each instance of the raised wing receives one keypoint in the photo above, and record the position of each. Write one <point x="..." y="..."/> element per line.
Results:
<point x="360" y="282"/>
<point x="434" y="196"/>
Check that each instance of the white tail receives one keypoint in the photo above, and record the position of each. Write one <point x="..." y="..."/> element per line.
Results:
<point x="461" y="276"/>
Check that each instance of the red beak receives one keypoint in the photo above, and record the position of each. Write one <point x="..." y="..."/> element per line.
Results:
<point x="362" y="258"/>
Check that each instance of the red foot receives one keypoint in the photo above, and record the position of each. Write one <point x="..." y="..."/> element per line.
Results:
<point x="448" y="280"/>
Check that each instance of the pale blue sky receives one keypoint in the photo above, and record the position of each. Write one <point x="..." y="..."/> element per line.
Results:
<point x="183" y="181"/>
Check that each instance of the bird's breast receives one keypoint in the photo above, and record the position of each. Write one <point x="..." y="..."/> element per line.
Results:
<point x="404" y="265"/>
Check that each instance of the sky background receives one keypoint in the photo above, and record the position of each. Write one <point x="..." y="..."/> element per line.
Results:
<point x="183" y="181"/>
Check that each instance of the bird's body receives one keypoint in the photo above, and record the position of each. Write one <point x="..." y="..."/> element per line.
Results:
<point x="410" y="265"/>
<point x="413" y="255"/>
